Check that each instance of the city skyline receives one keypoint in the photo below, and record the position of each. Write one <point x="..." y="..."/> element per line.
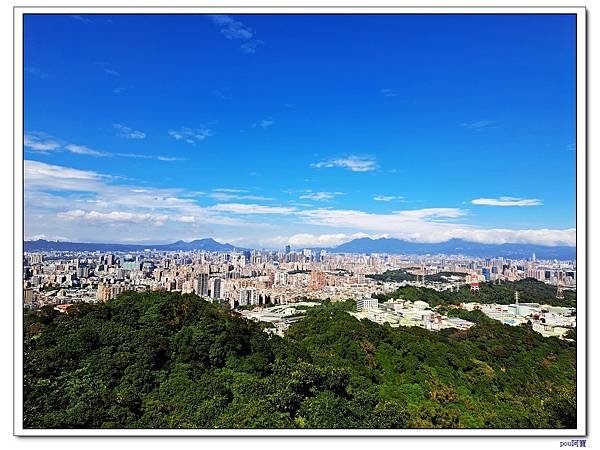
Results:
<point x="252" y="130"/>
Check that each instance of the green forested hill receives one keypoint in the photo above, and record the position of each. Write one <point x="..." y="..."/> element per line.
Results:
<point x="530" y="290"/>
<point x="164" y="360"/>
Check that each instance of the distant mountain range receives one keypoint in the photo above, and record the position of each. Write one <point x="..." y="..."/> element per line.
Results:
<point x="208" y="244"/>
<point x="363" y="245"/>
<point x="455" y="247"/>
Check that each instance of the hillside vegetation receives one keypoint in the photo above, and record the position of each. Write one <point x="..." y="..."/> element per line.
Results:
<point x="530" y="290"/>
<point x="165" y="360"/>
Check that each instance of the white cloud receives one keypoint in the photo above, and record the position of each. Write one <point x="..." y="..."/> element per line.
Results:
<point x="83" y="150"/>
<point x="41" y="142"/>
<point x="121" y="89"/>
<point x="228" y="194"/>
<point x="230" y="190"/>
<point x="431" y="225"/>
<point x="128" y="133"/>
<point x="388" y="93"/>
<point x="420" y="221"/>
<point x="264" y="123"/>
<point x="225" y="197"/>
<point x="113" y="217"/>
<point x="93" y="197"/>
<point x="80" y="18"/>
<point x="479" y="125"/>
<point x="387" y="198"/>
<point x="84" y="204"/>
<point x="38" y="175"/>
<point x="251" y="46"/>
<point x="354" y="163"/>
<point x="231" y="28"/>
<point x="507" y="201"/>
<point x="313" y="240"/>
<point x="37" y="237"/>
<point x="244" y="208"/>
<point x="235" y="30"/>
<point x="542" y="236"/>
<point x="155" y="157"/>
<point x="319" y="196"/>
<point x="107" y="69"/>
<point x="191" y="136"/>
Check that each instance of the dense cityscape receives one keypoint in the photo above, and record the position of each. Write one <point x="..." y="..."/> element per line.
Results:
<point x="263" y="279"/>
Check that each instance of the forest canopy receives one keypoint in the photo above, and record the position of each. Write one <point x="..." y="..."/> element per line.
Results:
<point x="166" y="360"/>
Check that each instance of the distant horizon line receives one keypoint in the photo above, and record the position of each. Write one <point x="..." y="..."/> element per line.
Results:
<point x="285" y="245"/>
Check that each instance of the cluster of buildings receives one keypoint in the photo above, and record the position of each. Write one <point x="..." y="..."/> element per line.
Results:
<point x="404" y="313"/>
<point x="563" y="273"/>
<point x="278" y="317"/>
<point x="545" y="319"/>
<point x="234" y="278"/>
<point x="243" y="279"/>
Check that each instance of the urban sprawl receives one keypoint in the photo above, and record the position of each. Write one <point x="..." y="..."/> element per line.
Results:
<point x="277" y="287"/>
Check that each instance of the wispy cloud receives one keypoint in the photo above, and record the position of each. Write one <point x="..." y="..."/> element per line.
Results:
<point x="244" y="208"/>
<point x="155" y="157"/>
<point x="225" y="197"/>
<point x="231" y="190"/>
<point x="113" y="217"/>
<point x="228" y="194"/>
<point x="353" y="163"/>
<point x="107" y="69"/>
<point x="320" y="196"/>
<point x="190" y="135"/>
<point x="479" y="125"/>
<point x="507" y="201"/>
<point x="83" y="150"/>
<point x="223" y="93"/>
<point x="315" y="240"/>
<point x="64" y="195"/>
<point x="41" y="142"/>
<point x="387" y="198"/>
<point x="388" y="92"/>
<point x="44" y="143"/>
<point x="121" y="89"/>
<point x="80" y="203"/>
<point x="264" y="123"/>
<point x="251" y="46"/>
<point x="128" y="133"/>
<point x="36" y="71"/>
<point x="235" y="30"/>
<point x="231" y="28"/>
<point x="80" y="18"/>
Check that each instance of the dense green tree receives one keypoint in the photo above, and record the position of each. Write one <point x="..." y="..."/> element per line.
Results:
<point x="165" y="360"/>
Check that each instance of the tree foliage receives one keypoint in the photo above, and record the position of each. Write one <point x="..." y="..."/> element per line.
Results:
<point x="165" y="360"/>
<point x="530" y="291"/>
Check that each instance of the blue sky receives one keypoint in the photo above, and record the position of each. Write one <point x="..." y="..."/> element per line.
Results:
<point x="304" y="129"/>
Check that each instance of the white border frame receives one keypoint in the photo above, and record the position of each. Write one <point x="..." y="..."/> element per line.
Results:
<point x="581" y="189"/>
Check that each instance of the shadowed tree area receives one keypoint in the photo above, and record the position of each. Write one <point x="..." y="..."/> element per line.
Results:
<point x="165" y="360"/>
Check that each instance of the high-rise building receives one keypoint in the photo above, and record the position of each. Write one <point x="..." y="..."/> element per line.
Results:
<point x="216" y="288"/>
<point x="280" y="278"/>
<point x="322" y="255"/>
<point x="110" y="259"/>
<point x="288" y="249"/>
<point x="367" y="303"/>
<point x="317" y="280"/>
<point x="201" y="285"/>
